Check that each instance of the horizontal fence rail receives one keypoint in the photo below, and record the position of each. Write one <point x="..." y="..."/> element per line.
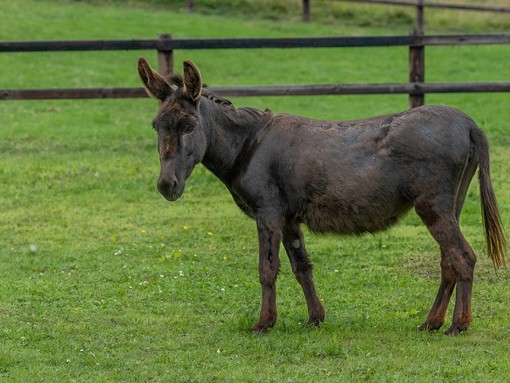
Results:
<point x="265" y="90"/>
<point x="420" y="6"/>
<point x="252" y="43"/>
<point x="459" y="7"/>
<point x="165" y="45"/>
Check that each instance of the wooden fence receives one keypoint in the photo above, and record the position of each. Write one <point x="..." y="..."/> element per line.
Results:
<point x="419" y="5"/>
<point x="165" y="46"/>
<point x="435" y="4"/>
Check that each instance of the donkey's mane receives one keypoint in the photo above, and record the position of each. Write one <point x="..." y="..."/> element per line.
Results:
<point x="177" y="80"/>
<point x="214" y="98"/>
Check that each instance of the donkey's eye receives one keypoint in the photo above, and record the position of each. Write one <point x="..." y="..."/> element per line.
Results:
<point x="188" y="128"/>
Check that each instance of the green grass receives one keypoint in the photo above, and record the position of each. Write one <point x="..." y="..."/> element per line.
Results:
<point x="347" y="13"/>
<point x="102" y="280"/>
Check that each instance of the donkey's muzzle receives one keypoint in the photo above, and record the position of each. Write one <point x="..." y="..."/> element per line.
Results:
<point x="170" y="188"/>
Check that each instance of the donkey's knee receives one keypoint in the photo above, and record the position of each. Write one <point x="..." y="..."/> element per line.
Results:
<point x="463" y="263"/>
<point x="302" y="269"/>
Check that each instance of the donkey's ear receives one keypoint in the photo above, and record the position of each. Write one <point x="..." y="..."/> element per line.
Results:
<point x="154" y="84"/>
<point x="192" y="81"/>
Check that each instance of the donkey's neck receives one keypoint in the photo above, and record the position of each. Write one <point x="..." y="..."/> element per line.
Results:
<point x="230" y="132"/>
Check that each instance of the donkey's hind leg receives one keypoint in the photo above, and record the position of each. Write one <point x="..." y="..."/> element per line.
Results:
<point x="302" y="268"/>
<point x="437" y="314"/>
<point x="457" y="265"/>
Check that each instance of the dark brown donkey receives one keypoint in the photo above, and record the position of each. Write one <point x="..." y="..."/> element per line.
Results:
<point x="347" y="177"/>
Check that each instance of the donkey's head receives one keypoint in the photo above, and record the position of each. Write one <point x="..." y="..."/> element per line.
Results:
<point x="181" y="145"/>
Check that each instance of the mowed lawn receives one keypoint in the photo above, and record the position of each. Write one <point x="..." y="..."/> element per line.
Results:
<point x="102" y="280"/>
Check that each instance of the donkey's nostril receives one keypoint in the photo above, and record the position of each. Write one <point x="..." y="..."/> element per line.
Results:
<point x="167" y="186"/>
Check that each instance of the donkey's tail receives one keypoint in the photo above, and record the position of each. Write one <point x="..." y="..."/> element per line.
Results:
<point x="494" y="232"/>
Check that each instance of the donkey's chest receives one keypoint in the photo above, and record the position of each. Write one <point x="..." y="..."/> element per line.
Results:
<point x="244" y="203"/>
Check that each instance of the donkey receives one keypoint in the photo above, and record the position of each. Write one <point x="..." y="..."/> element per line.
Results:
<point x="346" y="177"/>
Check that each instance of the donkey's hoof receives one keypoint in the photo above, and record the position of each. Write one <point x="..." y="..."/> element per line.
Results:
<point x="261" y="328"/>
<point x="259" y="331"/>
<point x="316" y="321"/>
<point x="316" y="316"/>
<point x="455" y="330"/>
<point x="431" y="325"/>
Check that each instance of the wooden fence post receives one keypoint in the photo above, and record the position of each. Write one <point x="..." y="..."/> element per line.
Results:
<point x="420" y="17"/>
<point x="417" y="58"/>
<point x="165" y="58"/>
<point x="306" y="11"/>
<point x="417" y="71"/>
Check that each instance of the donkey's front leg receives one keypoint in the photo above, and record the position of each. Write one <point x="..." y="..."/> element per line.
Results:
<point x="302" y="268"/>
<point x="269" y="233"/>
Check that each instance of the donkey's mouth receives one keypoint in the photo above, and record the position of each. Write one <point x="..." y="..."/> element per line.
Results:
<point x="171" y="192"/>
<point x="173" y="195"/>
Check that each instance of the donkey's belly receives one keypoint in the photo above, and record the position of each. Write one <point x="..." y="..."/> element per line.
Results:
<point x="354" y="217"/>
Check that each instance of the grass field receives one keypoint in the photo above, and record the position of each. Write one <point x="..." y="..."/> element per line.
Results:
<point x="347" y="13"/>
<point x="102" y="280"/>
